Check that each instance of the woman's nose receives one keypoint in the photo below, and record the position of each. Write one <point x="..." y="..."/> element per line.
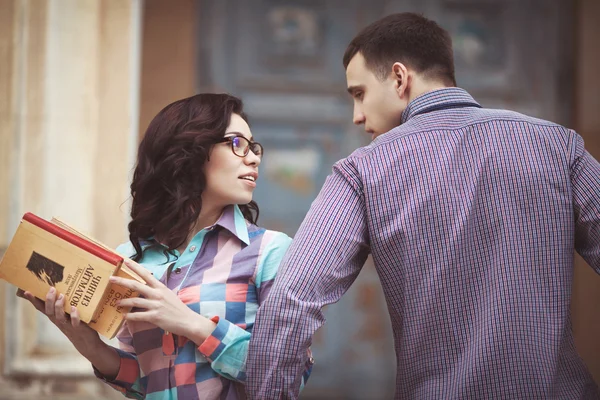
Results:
<point x="252" y="158"/>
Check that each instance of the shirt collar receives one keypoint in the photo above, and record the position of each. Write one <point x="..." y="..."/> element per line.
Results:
<point x="233" y="220"/>
<point x="439" y="99"/>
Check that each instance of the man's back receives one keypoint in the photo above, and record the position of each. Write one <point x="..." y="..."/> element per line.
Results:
<point x="472" y="217"/>
<point x="471" y="224"/>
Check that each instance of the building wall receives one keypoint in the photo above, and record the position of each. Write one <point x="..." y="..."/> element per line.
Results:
<point x="168" y="56"/>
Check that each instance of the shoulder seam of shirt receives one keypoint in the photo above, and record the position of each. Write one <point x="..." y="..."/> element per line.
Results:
<point x="576" y="152"/>
<point x="352" y="181"/>
<point x="365" y="151"/>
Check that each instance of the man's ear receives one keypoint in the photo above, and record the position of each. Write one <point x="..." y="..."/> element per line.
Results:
<point x="400" y="75"/>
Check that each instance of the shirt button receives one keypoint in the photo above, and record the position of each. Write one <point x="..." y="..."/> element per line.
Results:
<point x="177" y="270"/>
<point x="192" y="249"/>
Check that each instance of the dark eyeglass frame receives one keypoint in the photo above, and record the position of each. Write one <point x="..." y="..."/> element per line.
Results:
<point x="252" y="146"/>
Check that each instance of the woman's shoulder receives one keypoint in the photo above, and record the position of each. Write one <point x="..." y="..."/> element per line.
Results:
<point x="154" y="259"/>
<point x="126" y="249"/>
<point x="274" y="246"/>
<point x="279" y="238"/>
<point x="268" y="238"/>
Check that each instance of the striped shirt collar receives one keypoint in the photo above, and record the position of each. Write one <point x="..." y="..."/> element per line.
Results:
<point x="439" y="99"/>
<point x="233" y="220"/>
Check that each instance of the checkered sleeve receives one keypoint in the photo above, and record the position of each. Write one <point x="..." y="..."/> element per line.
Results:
<point x="227" y="347"/>
<point x="128" y="380"/>
<point x="585" y="180"/>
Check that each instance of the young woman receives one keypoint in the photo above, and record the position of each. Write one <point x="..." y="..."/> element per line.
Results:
<point x="207" y="266"/>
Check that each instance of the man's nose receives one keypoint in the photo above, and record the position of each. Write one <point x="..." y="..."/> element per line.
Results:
<point x="358" y="118"/>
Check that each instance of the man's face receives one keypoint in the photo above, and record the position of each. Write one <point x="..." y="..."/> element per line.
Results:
<point x="377" y="103"/>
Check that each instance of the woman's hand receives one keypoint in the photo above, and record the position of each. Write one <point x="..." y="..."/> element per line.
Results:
<point x="161" y="307"/>
<point x="84" y="338"/>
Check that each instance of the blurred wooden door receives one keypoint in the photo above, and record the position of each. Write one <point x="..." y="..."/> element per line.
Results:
<point x="284" y="58"/>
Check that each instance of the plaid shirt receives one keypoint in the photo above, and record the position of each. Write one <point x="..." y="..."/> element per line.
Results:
<point x="224" y="274"/>
<point x="472" y="217"/>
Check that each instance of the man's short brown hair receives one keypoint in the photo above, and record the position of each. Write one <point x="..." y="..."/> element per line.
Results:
<point x="409" y="38"/>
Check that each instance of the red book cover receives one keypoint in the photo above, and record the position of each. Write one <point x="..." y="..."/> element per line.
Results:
<point x="90" y="247"/>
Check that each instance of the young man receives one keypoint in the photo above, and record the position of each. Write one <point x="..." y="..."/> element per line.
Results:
<point x="472" y="217"/>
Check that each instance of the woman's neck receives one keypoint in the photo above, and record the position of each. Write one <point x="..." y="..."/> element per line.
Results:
<point x="208" y="217"/>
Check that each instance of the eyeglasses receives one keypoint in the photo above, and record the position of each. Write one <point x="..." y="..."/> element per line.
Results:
<point x="241" y="146"/>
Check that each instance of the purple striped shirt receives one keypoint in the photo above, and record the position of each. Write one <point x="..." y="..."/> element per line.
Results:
<point x="472" y="216"/>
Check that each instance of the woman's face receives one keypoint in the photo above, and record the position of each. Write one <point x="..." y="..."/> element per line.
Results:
<point x="231" y="179"/>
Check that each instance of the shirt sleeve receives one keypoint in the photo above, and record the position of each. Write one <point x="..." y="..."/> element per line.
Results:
<point x="585" y="180"/>
<point x="323" y="261"/>
<point x="227" y="347"/>
<point x="128" y="380"/>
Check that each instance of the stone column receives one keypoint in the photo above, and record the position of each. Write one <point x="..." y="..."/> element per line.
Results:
<point x="69" y="84"/>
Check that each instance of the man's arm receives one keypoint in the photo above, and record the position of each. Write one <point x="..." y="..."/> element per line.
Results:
<point x="323" y="261"/>
<point x="585" y="180"/>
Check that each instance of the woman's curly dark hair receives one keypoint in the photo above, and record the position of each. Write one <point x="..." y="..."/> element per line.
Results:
<point x="168" y="180"/>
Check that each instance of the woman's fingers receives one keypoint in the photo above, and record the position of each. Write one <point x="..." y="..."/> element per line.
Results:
<point x="75" y="321"/>
<point x="136" y="302"/>
<point x="59" y="310"/>
<point x="50" y="300"/>
<point x="53" y="307"/>
<point x="144" y="290"/>
<point x="143" y="273"/>
<point x="142" y="316"/>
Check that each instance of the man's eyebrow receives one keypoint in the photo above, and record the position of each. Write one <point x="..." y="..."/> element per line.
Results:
<point x="352" y="89"/>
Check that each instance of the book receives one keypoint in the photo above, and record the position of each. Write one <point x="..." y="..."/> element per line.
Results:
<point x="45" y="253"/>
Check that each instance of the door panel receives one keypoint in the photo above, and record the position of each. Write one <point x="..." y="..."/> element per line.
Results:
<point x="284" y="59"/>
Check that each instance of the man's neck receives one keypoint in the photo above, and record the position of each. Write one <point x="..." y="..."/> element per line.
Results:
<point x="421" y="86"/>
